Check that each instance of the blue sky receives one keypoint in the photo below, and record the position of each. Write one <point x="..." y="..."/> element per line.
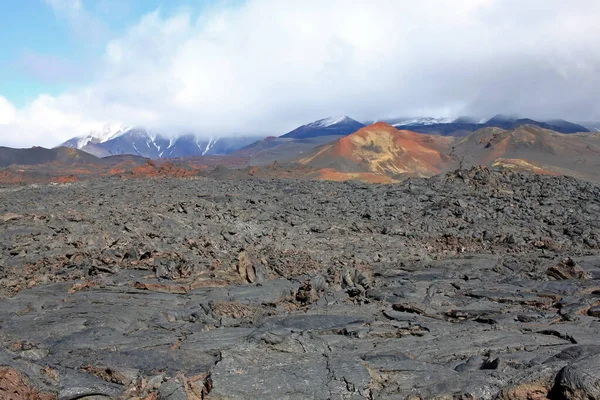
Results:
<point x="26" y="27"/>
<point x="46" y="48"/>
<point x="230" y="67"/>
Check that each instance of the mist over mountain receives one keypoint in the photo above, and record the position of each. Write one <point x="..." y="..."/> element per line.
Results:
<point x="141" y="142"/>
<point x="117" y="140"/>
<point x="235" y="67"/>
<point x="300" y="199"/>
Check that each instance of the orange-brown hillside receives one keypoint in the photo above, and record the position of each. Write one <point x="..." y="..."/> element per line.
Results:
<point x="534" y="149"/>
<point x="380" y="150"/>
<point x="65" y="170"/>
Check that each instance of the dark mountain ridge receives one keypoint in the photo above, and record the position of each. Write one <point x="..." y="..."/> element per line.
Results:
<point x="41" y="155"/>
<point x="462" y="126"/>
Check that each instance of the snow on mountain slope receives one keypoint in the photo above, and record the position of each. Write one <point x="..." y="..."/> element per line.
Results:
<point x="423" y="121"/>
<point x="339" y="126"/>
<point x="106" y="133"/>
<point x="211" y="143"/>
<point x="324" y="123"/>
<point x="118" y="140"/>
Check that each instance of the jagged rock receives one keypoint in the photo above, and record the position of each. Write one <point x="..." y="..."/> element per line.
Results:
<point x="247" y="268"/>
<point x="594" y="311"/>
<point x="446" y="287"/>
<point x="567" y="269"/>
<point x="579" y="380"/>
<point x="306" y="294"/>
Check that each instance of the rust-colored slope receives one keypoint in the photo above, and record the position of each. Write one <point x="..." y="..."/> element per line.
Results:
<point x="63" y="173"/>
<point x="383" y="150"/>
<point x="489" y="144"/>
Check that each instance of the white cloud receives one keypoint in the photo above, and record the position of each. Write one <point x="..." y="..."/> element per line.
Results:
<point x="7" y="112"/>
<point x="47" y="121"/>
<point x="267" y="66"/>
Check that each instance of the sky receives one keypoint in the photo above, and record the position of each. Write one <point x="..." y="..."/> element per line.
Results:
<point x="234" y="67"/>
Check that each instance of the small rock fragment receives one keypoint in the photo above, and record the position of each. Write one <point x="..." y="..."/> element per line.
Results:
<point x="567" y="269"/>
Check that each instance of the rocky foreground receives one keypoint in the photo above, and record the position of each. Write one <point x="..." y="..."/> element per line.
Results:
<point x="477" y="284"/>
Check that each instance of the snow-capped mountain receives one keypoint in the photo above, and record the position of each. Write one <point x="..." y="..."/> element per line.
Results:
<point x="118" y="139"/>
<point x="139" y="141"/>
<point x="422" y="121"/>
<point x="340" y="126"/>
<point x="108" y="132"/>
<point x="135" y="141"/>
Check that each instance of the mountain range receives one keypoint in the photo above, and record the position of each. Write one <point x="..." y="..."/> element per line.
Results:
<point x="462" y="126"/>
<point x="40" y="155"/>
<point x="337" y="148"/>
<point x="381" y="153"/>
<point x="118" y="139"/>
<point x="301" y="141"/>
<point x="377" y="153"/>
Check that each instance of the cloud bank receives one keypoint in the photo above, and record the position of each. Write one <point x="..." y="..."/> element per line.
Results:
<point x="267" y="66"/>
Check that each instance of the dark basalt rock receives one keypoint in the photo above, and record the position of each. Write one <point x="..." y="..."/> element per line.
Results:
<point x="579" y="380"/>
<point x="474" y="284"/>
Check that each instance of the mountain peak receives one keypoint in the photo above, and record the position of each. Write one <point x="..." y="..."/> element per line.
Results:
<point x="101" y="135"/>
<point x="383" y="150"/>
<point x="501" y="118"/>
<point x="378" y="125"/>
<point x="325" y="122"/>
<point x="339" y="126"/>
<point x="106" y="133"/>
